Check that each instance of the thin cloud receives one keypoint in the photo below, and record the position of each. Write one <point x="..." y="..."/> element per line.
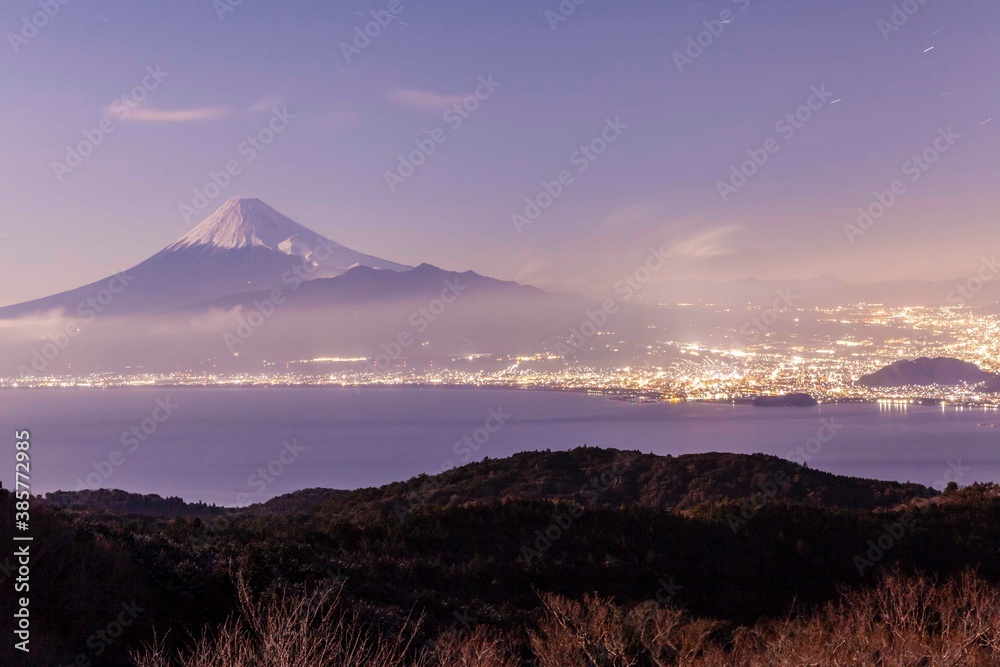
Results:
<point x="707" y="244"/>
<point x="178" y="115"/>
<point x="534" y="272"/>
<point x="629" y="216"/>
<point x="423" y="100"/>
<point x="267" y="104"/>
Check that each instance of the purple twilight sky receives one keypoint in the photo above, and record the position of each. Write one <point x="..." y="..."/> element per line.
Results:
<point x="897" y="82"/>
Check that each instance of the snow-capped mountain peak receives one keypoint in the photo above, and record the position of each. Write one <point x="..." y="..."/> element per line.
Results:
<point x="250" y="224"/>
<point x="244" y="223"/>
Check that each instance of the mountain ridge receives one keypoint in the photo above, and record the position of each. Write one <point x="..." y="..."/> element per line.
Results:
<point x="243" y="246"/>
<point x="363" y="283"/>
<point x="592" y="476"/>
<point x="607" y="477"/>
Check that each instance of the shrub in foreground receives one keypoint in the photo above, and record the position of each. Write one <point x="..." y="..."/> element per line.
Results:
<point x="905" y="621"/>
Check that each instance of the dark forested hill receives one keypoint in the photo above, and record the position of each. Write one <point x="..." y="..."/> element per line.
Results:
<point x="593" y="476"/>
<point x="589" y="476"/>
<point x="733" y="538"/>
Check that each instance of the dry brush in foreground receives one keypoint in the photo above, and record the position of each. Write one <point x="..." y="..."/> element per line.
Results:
<point x="905" y="622"/>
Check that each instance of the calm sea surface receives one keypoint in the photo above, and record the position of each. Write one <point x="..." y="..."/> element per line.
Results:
<point x="236" y="446"/>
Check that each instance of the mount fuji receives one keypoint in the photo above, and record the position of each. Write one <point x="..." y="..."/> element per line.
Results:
<point x="202" y="302"/>
<point x="245" y="246"/>
<point x="249" y="226"/>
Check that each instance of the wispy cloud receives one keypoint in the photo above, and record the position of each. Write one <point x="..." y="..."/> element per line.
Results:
<point x="263" y="105"/>
<point x="637" y="214"/>
<point x="708" y="244"/>
<point x="423" y="100"/>
<point x="267" y="104"/>
<point x="178" y="115"/>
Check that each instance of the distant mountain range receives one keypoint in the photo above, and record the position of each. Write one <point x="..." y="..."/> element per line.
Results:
<point x="364" y="284"/>
<point x="824" y="291"/>
<point x="940" y="371"/>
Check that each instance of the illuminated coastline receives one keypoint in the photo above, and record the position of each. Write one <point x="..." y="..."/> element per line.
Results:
<point x="862" y="339"/>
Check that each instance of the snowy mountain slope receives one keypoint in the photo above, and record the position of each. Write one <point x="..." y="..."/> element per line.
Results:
<point x="242" y="224"/>
<point x="244" y="246"/>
